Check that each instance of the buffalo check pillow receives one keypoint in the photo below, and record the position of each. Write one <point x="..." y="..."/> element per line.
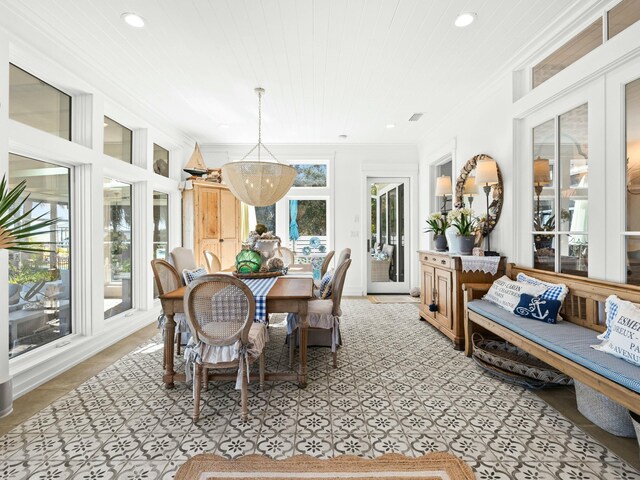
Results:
<point x="553" y="291"/>
<point x="622" y="338"/>
<point x="190" y="275"/>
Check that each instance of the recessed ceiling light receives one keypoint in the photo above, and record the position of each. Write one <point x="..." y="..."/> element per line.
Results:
<point x="465" y="19"/>
<point x="391" y="125"/>
<point x="133" y="20"/>
<point x="342" y="137"/>
<point x="223" y="125"/>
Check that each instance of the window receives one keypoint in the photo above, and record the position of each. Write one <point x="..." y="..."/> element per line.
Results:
<point x="570" y="52"/>
<point x="160" y="229"/>
<point x="38" y="104"/>
<point x="560" y="207"/>
<point x="633" y="181"/>
<point x="266" y="216"/>
<point x="118" y="141"/>
<point x="622" y="16"/>
<point x="310" y="175"/>
<point x="311" y="219"/>
<point x="117" y="247"/>
<point x="160" y="160"/>
<point x="443" y="170"/>
<point x="40" y="283"/>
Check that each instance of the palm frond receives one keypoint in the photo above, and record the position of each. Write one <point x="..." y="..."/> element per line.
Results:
<point x="16" y="228"/>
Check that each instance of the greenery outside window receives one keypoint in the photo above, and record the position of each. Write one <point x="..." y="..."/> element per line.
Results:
<point x="310" y="175"/>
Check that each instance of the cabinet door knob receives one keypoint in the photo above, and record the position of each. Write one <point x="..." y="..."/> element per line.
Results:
<point x="222" y="239"/>
<point x="443" y="262"/>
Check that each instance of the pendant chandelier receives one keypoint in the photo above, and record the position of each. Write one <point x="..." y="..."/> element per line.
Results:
<point x="259" y="183"/>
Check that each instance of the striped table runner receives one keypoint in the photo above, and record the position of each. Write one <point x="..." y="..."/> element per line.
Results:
<point x="260" y="288"/>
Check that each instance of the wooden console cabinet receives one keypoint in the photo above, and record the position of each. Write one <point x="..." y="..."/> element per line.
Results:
<point x="441" y="279"/>
<point x="211" y="221"/>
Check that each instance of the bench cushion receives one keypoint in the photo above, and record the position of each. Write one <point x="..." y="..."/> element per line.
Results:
<point x="567" y="339"/>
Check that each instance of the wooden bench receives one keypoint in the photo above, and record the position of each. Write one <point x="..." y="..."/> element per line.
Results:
<point x="583" y="306"/>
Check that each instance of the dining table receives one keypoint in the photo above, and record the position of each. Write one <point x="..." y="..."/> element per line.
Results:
<point x="289" y="294"/>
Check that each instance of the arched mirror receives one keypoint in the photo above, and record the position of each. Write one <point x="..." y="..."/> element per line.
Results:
<point x="479" y="186"/>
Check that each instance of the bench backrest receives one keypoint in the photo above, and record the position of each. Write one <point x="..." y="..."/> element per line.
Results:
<point x="584" y="304"/>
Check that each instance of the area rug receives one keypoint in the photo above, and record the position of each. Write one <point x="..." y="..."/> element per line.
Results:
<point x="393" y="299"/>
<point x="392" y="466"/>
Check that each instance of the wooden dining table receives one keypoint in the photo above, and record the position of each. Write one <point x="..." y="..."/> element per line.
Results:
<point x="289" y="294"/>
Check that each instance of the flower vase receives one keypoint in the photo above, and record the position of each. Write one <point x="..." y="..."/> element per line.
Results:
<point x="466" y="244"/>
<point x="440" y="242"/>
<point x="451" y="234"/>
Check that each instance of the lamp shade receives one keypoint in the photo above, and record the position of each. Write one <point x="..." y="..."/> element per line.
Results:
<point x="470" y="187"/>
<point x="486" y="172"/>
<point x="541" y="172"/>
<point x="443" y="186"/>
<point x="258" y="183"/>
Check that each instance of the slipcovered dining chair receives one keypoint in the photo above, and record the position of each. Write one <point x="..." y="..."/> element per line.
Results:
<point x="324" y="316"/>
<point x="213" y="262"/>
<point x="326" y="263"/>
<point x="220" y="311"/>
<point x="167" y="280"/>
<point x="286" y="254"/>
<point x="344" y="255"/>
<point x="183" y="259"/>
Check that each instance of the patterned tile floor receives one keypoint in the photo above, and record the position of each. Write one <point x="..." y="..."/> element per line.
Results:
<point x="400" y="388"/>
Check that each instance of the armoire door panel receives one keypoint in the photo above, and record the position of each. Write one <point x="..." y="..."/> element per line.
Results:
<point x="229" y="215"/>
<point x="208" y="219"/>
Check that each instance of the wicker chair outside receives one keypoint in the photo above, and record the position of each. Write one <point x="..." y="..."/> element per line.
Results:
<point x="326" y="263"/>
<point x="167" y="280"/>
<point x="213" y="262"/>
<point x="183" y="258"/>
<point x="319" y="310"/>
<point x="344" y="255"/>
<point x="220" y="311"/>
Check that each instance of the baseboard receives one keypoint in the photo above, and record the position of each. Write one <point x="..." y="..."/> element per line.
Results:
<point x="78" y="350"/>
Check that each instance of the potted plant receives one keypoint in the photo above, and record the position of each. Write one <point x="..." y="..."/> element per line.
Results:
<point x="542" y="241"/>
<point x="466" y="225"/>
<point x="438" y="223"/>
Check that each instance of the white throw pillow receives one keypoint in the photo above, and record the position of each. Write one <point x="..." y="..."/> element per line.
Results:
<point x="622" y="338"/>
<point x="506" y="292"/>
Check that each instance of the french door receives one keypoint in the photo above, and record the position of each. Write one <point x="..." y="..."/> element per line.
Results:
<point x="388" y="235"/>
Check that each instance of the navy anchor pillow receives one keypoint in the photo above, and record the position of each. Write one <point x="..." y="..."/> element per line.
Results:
<point x="538" y="308"/>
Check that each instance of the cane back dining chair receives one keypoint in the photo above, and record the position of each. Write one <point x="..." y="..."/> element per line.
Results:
<point x="286" y="254"/>
<point x="324" y="315"/>
<point x="167" y="280"/>
<point x="213" y="262"/>
<point x="326" y="263"/>
<point x="220" y="311"/>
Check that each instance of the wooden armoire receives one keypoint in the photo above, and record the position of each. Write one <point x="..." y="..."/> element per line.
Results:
<point x="211" y="221"/>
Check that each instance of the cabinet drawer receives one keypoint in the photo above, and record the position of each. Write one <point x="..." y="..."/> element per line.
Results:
<point x="443" y="261"/>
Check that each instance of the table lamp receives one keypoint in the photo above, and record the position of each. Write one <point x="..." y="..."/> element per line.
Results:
<point x="541" y="178"/>
<point x="487" y="175"/>
<point x="443" y="188"/>
<point x="470" y="189"/>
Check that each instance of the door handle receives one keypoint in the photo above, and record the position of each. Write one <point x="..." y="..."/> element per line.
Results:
<point x="222" y="240"/>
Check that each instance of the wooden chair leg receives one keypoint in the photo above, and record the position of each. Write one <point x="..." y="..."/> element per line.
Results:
<point x="205" y="378"/>
<point x="292" y="347"/>
<point x="262" y="369"/>
<point x="178" y="342"/>
<point x="334" y="354"/>
<point x="244" y="397"/>
<point x="197" y="385"/>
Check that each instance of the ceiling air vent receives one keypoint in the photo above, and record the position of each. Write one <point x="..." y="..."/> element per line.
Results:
<point x="415" y="117"/>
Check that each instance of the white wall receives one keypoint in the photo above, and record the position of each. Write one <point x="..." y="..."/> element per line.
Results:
<point x="350" y="162"/>
<point x="484" y="126"/>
